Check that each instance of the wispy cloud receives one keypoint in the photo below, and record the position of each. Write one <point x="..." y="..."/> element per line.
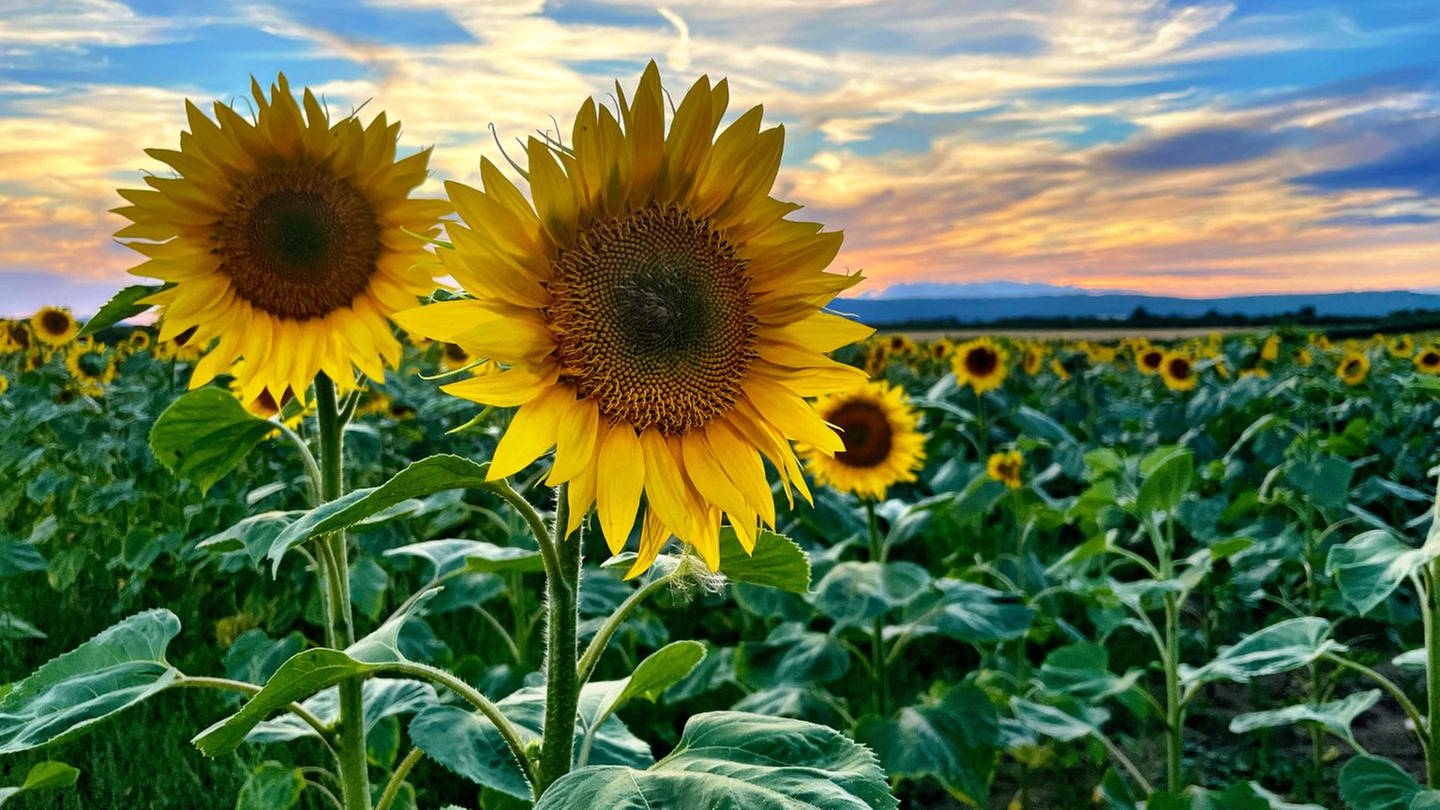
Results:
<point x="1137" y="144"/>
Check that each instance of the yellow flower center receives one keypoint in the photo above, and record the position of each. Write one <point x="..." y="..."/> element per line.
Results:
<point x="298" y="243"/>
<point x="652" y="319"/>
<point x="865" y="431"/>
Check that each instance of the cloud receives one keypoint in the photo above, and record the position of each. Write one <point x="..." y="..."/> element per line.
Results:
<point x="1197" y="148"/>
<point x="1415" y="167"/>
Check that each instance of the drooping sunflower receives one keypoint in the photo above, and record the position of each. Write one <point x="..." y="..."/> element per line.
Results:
<point x="1354" y="367"/>
<point x="882" y="446"/>
<point x="1006" y="467"/>
<point x="1149" y="359"/>
<point x="91" y="365"/>
<point x="981" y="364"/>
<point x="1427" y="360"/>
<point x="54" y="326"/>
<point x="1178" y="371"/>
<point x="284" y="242"/>
<point x="659" y="317"/>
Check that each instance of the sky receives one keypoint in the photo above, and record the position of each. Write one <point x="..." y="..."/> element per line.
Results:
<point x="1185" y="148"/>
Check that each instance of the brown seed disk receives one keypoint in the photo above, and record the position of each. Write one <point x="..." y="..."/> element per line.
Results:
<point x="298" y="242"/>
<point x="865" y="431"/>
<point x="653" y="320"/>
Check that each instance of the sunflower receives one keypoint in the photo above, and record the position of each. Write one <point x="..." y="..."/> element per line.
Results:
<point x="453" y="357"/>
<point x="1428" y="360"/>
<point x="4" y="384"/>
<point x="54" y="326"/>
<point x="940" y="349"/>
<point x="1402" y="346"/>
<point x="1270" y="349"/>
<point x="1178" y="371"/>
<point x="981" y="364"/>
<point x="1304" y="358"/>
<point x="91" y="366"/>
<point x="1033" y="359"/>
<point x="1006" y="467"/>
<point x="1149" y="359"/>
<point x="882" y="446"/>
<point x="1353" y="368"/>
<point x="7" y="340"/>
<point x="1059" y="369"/>
<point x="285" y="240"/>
<point x="660" y="319"/>
<point x="138" y="340"/>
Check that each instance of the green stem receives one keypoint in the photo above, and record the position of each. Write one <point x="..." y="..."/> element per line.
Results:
<point x="1174" y="711"/>
<point x="1431" y="611"/>
<point x="562" y="683"/>
<point x="597" y="645"/>
<point x="354" y="776"/>
<point x="1395" y="692"/>
<point x="392" y="789"/>
<point x="877" y="628"/>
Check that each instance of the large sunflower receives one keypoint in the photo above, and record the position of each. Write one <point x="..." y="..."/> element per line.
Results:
<point x="284" y="239"/>
<point x="659" y="317"/>
<point x="54" y="325"/>
<point x="882" y="446"/>
<point x="981" y="364"/>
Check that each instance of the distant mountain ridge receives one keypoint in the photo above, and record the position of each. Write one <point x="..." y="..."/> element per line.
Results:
<point x="981" y="309"/>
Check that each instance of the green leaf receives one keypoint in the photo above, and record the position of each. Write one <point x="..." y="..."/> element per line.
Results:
<point x="966" y="612"/>
<point x="1375" y="783"/>
<point x="854" y="592"/>
<point x="735" y="761"/>
<point x="20" y="557"/>
<point x="42" y="776"/>
<point x="954" y="741"/>
<point x="306" y="674"/>
<point x="659" y="671"/>
<point x="1324" y="482"/>
<point x="14" y="627"/>
<point x="488" y="558"/>
<point x="204" y="434"/>
<point x="470" y="746"/>
<point x="424" y="477"/>
<point x="122" y="305"/>
<point x="1335" y="716"/>
<point x="1082" y="670"/>
<point x="1281" y="647"/>
<point x="254" y="535"/>
<point x="1168" y="473"/>
<point x="1371" y="566"/>
<point x="792" y="655"/>
<point x="1052" y="721"/>
<point x="271" y="786"/>
<point x="113" y="671"/>
<point x="382" y="698"/>
<point x="777" y="561"/>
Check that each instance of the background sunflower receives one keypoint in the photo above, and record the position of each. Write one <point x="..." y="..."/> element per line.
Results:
<point x="981" y="364"/>
<point x="54" y="326"/>
<point x="882" y="446"/>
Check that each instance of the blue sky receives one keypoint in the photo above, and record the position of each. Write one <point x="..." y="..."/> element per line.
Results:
<point x="1188" y="148"/>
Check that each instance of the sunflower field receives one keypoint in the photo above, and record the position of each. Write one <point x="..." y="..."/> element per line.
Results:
<point x="582" y="492"/>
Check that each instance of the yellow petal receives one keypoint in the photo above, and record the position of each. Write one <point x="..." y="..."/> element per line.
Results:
<point x="617" y="490"/>
<point x="530" y="434"/>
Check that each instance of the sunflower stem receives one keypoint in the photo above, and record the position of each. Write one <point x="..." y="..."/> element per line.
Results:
<point x="877" y="628"/>
<point x="354" y="777"/>
<point x="562" y="682"/>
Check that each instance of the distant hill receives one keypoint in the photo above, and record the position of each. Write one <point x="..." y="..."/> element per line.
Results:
<point x="983" y="310"/>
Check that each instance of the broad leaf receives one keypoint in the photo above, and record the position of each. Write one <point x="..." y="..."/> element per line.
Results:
<point x="113" y="671"/>
<point x="792" y="654"/>
<point x="42" y="776"/>
<point x="776" y="562"/>
<point x="735" y="761"/>
<point x="1372" y="565"/>
<point x="204" y="434"/>
<point x="1281" y="647"/>
<point x="1335" y="716"/>
<point x="271" y="786"/>
<point x="955" y="741"/>
<point x="964" y="611"/>
<point x="1375" y="783"/>
<point x="1083" y="670"/>
<point x="1324" y="482"/>
<point x="424" y="477"/>
<point x="1052" y="721"/>
<point x="383" y="697"/>
<point x="1168" y="474"/>
<point x="855" y="592"/>
<point x="469" y="745"/>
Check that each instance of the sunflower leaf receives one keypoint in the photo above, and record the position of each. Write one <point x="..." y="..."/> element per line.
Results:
<point x="124" y="304"/>
<point x="42" y="776"/>
<point x="204" y="434"/>
<point x="777" y="561"/>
